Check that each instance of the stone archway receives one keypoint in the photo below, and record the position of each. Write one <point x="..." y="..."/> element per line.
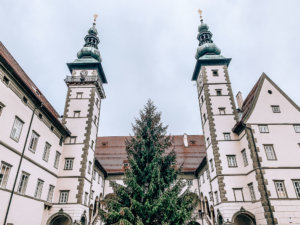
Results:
<point x="60" y="218"/>
<point x="243" y="217"/>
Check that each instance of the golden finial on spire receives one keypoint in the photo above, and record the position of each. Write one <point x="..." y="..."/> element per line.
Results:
<point x="200" y="12"/>
<point x="95" y="17"/>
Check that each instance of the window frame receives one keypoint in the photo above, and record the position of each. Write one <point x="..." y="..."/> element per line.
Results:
<point x="50" y="193"/>
<point x="72" y="140"/>
<point x="234" y="165"/>
<point x="234" y="193"/>
<point x="218" y="92"/>
<point x="37" y="136"/>
<point x="69" y="166"/>
<point x="273" y="152"/>
<point x="76" y="114"/>
<point x="215" y="72"/>
<point x="56" y="159"/>
<point x="4" y="179"/>
<point x="245" y="158"/>
<point x="251" y="191"/>
<point x="222" y="110"/>
<point x="217" y="197"/>
<point x="211" y="165"/>
<point x="39" y="189"/>
<point x="22" y="182"/>
<point x="16" y="139"/>
<point x="63" y="196"/>
<point x="79" y="95"/>
<point x="274" y="108"/>
<point x="297" y="128"/>
<point x="260" y="126"/>
<point x="46" y="152"/>
<point x="227" y="136"/>
<point x="284" y="189"/>
<point x="296" y="188"/>
<point x="89" y="167"/>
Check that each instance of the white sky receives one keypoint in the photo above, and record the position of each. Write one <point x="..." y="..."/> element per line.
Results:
<point x="148" y="50"/>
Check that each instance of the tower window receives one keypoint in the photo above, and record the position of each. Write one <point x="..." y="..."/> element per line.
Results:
<point x="95" y="120"/>
<point x="270" y="153"/>
<point x="73" y="140"/>
<point x="69" y="163"/>
<point x="204" y="117"/>
<point x="227" y="137"/>
<point x="202" y="99"/>
<point x="245" y="159"/>
<point x="211" y="165"/>
<point x="208" y="141"/>
<point x="231" y="161"/>
<point x="222" y="111"/>
<point x="297" y="128"/>
<point x="89" y="168"/>
<point x="280" y="189"/>
<point x="215" y="73"/>
<point x="79" y="94"/>
<point x="189" y="183"/>
<point x="64" y="195"/>
<point x="263" y="128"/>
<point x="275" y="108"/>
<point x="218" y="92"/>
<point x="251" y="190"/>
<point x="217" y="197"/>
<point x="76" y="113"/>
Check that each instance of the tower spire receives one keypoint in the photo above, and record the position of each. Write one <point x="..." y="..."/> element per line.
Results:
<point x="206" y="45"/>
<point x="90" y="48"/>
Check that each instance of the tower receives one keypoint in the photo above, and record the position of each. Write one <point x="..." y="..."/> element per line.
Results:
<point x="218" y="116"/>
<point x="81" y="116"/>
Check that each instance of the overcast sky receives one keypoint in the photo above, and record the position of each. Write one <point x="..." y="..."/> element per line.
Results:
<point x="148" y="50"/>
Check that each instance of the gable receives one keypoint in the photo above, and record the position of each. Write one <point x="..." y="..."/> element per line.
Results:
<point x="268" y="94"/>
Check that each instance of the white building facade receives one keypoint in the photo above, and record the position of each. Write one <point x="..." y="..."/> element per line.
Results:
<point x="55" y="170"/>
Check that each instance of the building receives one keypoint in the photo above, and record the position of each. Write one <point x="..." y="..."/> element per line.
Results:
<point x="55" y="170"/>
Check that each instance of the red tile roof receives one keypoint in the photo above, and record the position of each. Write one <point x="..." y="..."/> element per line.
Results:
<point x="27" y="83"/>
<point x="111" y="153"/>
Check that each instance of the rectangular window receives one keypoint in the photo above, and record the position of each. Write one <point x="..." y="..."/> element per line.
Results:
<point x="215" y="73"/>
<point x="5" y="80"/>
<point x="97" y="102"/>
<point x="23" y="183"/>
<point x="50" y="193"/>
<point x="202" y="99"/>
<point x="270" y="153"/>
<point x="203" y="178"/>
<point x="39" y="189"/>
<point x="238" y="194"/>
<point x="280" y="188"/>
<point x="217" y="197"/>
<point x="251" y="191"/>
<point x="218" y="92"/>
<point x="1" y="107"/>
<point x="208" y="141"/>
<point x="72" y="140"/>
<point x="79" y="94"/>
<point x="263" y="128"/>
<point x="297" y="187"/>
<point x="210" y="196"/>
<point x="94" y="175"/>
<point x="227" y="136"/>
<point x="231" y="161"/>
<point x="63" y="197"/>
<point x="46" y="152"/>
<point x="56" y="161"/>
<point x="275" y="108"/>
<point x="76" y="113"/>
<point x="69" y="163"/>
<point x="211" y="165"/>
<point x="207" y="174"/>
<point x="92" y="194"/>
<point x="204" y="118"/>
<point x="95" y="120"/>
<point x="245" y="159"/>
<point x="86" y="195"/>
<point x="297" y="128"/>
<point x="222" y="111"/>
<point x="5" y="170"/>
<point x="89" y="168"/>
<point x="33" y="141"/>
<point x="99" y="178"/>
<point x="16" y="129"/>
<point x="189" y="183"/>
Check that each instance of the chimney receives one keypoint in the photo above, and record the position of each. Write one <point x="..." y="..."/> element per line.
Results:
<point x="239" y="99"/>
<point x="185" y="140"/>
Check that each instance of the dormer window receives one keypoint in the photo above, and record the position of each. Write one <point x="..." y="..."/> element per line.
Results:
<point x="215" y="73"/>
<point x="275" y="108"/>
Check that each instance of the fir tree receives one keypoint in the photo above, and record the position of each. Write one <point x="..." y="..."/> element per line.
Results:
<point x="152" y="191"/>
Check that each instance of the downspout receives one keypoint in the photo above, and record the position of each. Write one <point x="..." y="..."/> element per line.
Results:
<point x="19" y="166"/>
<point x="261" y="173"/>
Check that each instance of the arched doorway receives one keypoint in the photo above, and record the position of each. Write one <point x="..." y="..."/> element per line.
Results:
<point x="83" y="220"/>
<point x="60" y="218"/>
<point x="220" y="220"/>
<point x="243" y="219"/>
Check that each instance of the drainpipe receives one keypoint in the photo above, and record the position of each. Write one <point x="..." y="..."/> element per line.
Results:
<point x="261" y="173"/>
<point x="19" y="166"/>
